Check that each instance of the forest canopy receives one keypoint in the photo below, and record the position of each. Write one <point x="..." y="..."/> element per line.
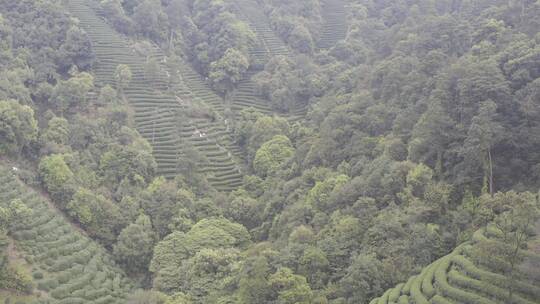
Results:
<point x="269" y="151"/>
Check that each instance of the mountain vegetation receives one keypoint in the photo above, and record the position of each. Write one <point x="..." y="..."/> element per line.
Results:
<point x="269" y="151"/>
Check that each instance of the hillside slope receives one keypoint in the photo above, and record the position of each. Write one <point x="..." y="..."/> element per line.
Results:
<point x="334" y="27"/>
<point x="157" y="112"/>
<point x="268" y="44"/>
<point x="68" y="267"/>
<point x="464" y="277"/>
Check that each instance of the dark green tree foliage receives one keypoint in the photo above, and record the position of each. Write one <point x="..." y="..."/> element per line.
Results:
<point x="56" y="177"/>
<point x="298" y="23"/>
<point x="97" y="215"/>
<point x="135" y="245"/>
<point x="227" y="71"/>
<point x="287" y="82"/>
<point x="214" y="30"/>
<point x="291" y="288"/>
<point x="18" y="127"/>
<point x="418" y="124"/>
<point x="130" y="162"/>
<point x="12" y="276"/>
<point x="123" y="76"/>
<point x="77" y="50"/>
<point x="114" y="11"/>
<point x="44" y="28"/>
<point x="272" y="156"/>
<point x="72" y="92"/>
<point x="149" y="19"/>
<point x="364" y="279"/>
<point x="211" y="240"/>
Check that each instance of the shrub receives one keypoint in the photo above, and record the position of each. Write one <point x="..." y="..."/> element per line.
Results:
<point x="452" y="292"/>
<point x="18" y="279"/>
<point x="437" y="299"/>
<point x="427" y="281"/>
<point x="494" y="278"/>
<point x="37" y="275"/>
<point x="483" y="287"/>
<point x="416" y="294"/>
<point x="407" y="287"/>
<point x="394" y="294"/>
<point x="404" y="299"/>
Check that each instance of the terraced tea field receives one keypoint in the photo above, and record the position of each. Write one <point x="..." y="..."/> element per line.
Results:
<point x="156" y="109"/>
<point x="268" y="43"/>
<point x="67" y="266"/>
<point x="457" y="278"/>
<point x="334" y="26"/>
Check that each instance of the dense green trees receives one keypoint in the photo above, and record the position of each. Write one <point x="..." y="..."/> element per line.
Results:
<point x="56" y="175"/>
<point x="297" y="23"/>
<point x="52" y="40"/>
<point x="216" y="30"/>
<point x="228" y="70"/>
<point x="72" y="92"/>
<point x="272" y="155"/>
<point x="135" y="244"/>
<point x="99" y="216"/>
<point x="291" y="288"/>
<point x="77" y="49"/>
<point x="149" y="19"/>
<point x="18" y="127"/>
<point x="418" y="124"/>
<point x="287" y="82"/>
<point x="201" y="261"/>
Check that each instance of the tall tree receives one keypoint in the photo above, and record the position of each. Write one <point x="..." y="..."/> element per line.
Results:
<point x="135" y="245"/>
<point x="18" y="127"/>
<point x="484" y="133"/>
<point x="123" y="76"/>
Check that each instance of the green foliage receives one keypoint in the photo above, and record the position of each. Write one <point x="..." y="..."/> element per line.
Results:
<point x="55" y="174"/>
<point x="272" y="156"/>
<point x="209" y="272"/>
<point x="178" y="298"/>
<point x="122" y="76"/>
<point x="253" y="129"/>
<point x="176" y="249"/>
<point x="287" y="82"/>
<point x="364" y="279"/>
<point x="99" y="216"/>
<point x="131" y="162"/>
<point x="77" y="50"/>
<point x="56" y="135"/>
<point x="107" y="96"/>
<point x="243" y="209"/>
<point x="135" y="244"/>
<point x="18" y="127"/>
<point x="296" y="23"/>
<point x="212" y="30"/>
<point x="150" y="20"/>
<point x="291" y="288"/>
<point x="147" y="297"/>
<point x="55" y="45"/>
<point x="72" y="92"/>
<point x="152" y="70"/>
<point x="228" y="70"/>
<point x="419" y="123"/>
<point x="15" y="277"/>
<point x="319" y="195"/>
<point x="115" y="13"/>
